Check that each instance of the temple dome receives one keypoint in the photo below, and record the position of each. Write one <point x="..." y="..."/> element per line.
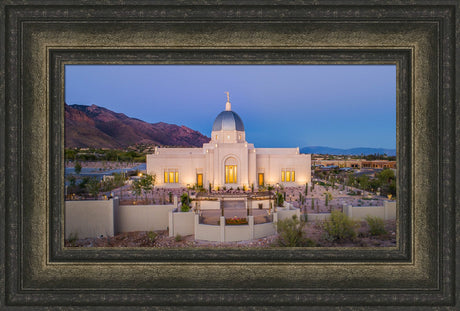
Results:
<point x="228" y="121"/>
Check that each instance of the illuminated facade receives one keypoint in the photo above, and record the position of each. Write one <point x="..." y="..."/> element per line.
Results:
<point x="228" y="160"/>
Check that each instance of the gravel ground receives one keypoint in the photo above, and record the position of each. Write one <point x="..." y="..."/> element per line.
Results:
<point x="160" y="239"/>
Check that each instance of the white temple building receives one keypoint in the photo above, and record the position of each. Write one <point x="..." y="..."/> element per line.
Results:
<point x="228" y="160"/>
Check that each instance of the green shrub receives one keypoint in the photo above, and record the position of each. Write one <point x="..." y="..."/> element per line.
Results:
<point x="77" y="168"/>
<point x="152" y="236"/>
<point x="376" y="225"/>
<point x="339" y="227"/>
<point x="184" y="208"/>
<point x="73" y="237"/>
<point x="279" y="199"/>
<point x="184" y="198"/>
<point x="178" y="238"/>
<point x="291" y="233"/>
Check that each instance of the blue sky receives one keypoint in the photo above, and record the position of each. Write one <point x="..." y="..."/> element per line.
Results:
<point x="341" y="106"/>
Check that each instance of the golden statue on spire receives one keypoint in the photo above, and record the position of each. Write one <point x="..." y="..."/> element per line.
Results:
<point x="228" y="106"/>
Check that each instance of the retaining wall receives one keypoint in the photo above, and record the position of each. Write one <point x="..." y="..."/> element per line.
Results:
<point x="181" y="223"/>
<point x="287" y="213"/>
<point x="143" y="217"/>
<point x="319" y="217"/>
<point x="207" y="232"/>
<point x="238" y="232"/>
<point x="89" y="218"/>
<point x="263" y="230"/>
<point x="386" y="212"/>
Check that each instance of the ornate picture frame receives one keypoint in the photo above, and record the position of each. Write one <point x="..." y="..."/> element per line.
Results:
<point x="37" y="41"/>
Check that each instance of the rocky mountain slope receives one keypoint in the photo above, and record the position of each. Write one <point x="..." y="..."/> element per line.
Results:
<point x="94" y="126"/>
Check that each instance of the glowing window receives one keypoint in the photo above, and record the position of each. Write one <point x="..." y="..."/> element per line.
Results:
<point x="230" y="174"/>
<point x="287" y="175"/>
<point x="171" y="176"/>
<point x="261" y="179"/>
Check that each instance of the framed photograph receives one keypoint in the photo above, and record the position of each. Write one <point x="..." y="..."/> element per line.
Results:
<point x="153" y="160"/>
<point x="41" y="40"/>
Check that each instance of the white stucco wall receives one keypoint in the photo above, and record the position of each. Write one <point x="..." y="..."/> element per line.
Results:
<point x="212" y="158"/>
<point x="319" y="217"/>
<point x="143" y="217"/>
<point x="207" y="232"/>
<point x="182" y="224"/>
<point x="263" y="230"/>
<point x="271" y="161"/>
<point x="237" y="233"/>
<point x="209" y="205"/>
<point x="188" y="161"/>
<point x="288" y="213"/>
<point x="89" y="219"/>
<point x="386" y="212"/>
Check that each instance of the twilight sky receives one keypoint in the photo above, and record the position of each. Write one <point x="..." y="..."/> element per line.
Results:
<point x="341" y="106"/>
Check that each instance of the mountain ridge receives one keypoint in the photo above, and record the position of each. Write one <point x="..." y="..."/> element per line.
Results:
<point x="99" y="127"/>
<point x="95" y="126"/>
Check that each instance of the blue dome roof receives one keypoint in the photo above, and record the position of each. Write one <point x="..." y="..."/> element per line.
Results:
<point x="228" y="121"/>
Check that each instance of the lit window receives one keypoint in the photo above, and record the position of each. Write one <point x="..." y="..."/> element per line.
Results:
<point x="230" y="174"/>
<point x="287" y="175"/>
<point x="171" y="176"/>
<point x="261" y="179"/>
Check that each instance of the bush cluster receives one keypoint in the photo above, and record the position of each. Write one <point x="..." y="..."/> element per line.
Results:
<point x="152" y="236"/>
<point x="185" y="202"/>
<point x="339" y="227"/>
<point x="376" y="225"/>
<point x="291" y="233"/>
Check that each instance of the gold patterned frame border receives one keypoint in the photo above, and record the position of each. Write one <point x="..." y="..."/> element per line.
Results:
<point x="37" y="272"/>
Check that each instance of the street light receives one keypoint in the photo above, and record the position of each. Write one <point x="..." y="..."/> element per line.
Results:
<point x="188" y="194"/>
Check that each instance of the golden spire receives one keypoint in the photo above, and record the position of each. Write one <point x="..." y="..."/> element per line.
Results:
<point x="228" y="106"/>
